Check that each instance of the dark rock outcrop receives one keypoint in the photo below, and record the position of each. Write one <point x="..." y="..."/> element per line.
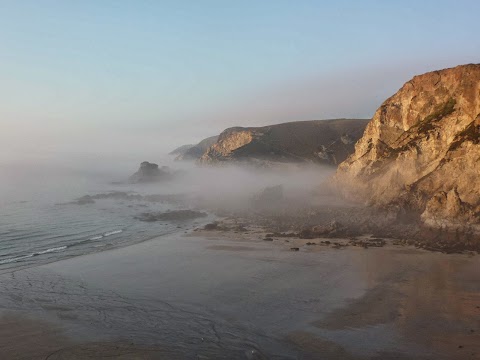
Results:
<point x="128" y="196"/>
<point x="318" y="141"/>
<point x="177" y="215"/>
<point x="150" y="172"/>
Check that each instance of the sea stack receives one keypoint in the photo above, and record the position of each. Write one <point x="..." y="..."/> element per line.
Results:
<point x="150" y="172"/>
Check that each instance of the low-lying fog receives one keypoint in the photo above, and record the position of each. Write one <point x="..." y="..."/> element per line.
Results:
<point x="234" y="186"/>
<point x="225" y="187"/>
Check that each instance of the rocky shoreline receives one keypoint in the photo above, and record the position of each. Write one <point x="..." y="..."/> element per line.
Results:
<point x="415" y="164"/>
<point x="341" y="227"/>
<point x="334" y="224"/>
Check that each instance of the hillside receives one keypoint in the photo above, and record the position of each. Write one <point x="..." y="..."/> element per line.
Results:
<point x="194" y="152"/>
<point x="181" y="149"/>
<point x="319" y="141"/>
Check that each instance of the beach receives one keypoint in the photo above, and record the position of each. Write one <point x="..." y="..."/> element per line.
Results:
<point x="244" y="180"/>
<point x="227" y="295"/>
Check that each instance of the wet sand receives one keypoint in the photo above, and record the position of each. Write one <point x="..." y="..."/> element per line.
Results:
<point x="226" y="295"/>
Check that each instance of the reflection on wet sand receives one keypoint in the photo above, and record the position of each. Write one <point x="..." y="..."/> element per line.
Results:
<point x="431" y="301"/>
<point x="180" y="297"/>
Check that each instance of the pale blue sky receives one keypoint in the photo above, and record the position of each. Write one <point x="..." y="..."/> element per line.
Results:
<point x="168" y="72"/>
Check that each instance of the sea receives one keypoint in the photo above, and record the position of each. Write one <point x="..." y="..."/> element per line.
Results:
<point x="40" y="221"/>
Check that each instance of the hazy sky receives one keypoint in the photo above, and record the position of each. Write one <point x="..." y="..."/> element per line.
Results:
<point x="139" y="77"/>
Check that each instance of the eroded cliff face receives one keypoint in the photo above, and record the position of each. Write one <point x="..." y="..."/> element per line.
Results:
<point x="229" y="141"/>
<point x="421" y="150"/>
<point x="319" y="141"/>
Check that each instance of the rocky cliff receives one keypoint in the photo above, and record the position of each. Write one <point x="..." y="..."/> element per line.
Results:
<point x="194" y="152"/>
<point x="181" y="150"/>
<point x="421" y="150"/>
<point x="321" y="141"/>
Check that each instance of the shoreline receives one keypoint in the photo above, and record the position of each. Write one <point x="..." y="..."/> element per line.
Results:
<point x="336" y="224"/>
<point x="325" y="296"/>
<point x="94" y="250"/>
<point x="333" y="233"/>
<point x="112" y="248"/>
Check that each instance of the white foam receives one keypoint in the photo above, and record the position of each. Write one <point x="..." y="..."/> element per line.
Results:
<point x="15" y="259"/>
<point x="112" y="232"/>
<point x="55" y="249"/>
<point x="18" y="258"/>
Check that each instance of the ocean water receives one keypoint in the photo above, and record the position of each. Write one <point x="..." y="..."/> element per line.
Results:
<point x="39" y="224"/>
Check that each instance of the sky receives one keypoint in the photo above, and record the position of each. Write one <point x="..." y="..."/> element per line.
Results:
<point x="104" y="79"/>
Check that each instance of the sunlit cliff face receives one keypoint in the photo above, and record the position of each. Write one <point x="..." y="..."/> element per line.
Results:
<point x="421" y="149"/>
